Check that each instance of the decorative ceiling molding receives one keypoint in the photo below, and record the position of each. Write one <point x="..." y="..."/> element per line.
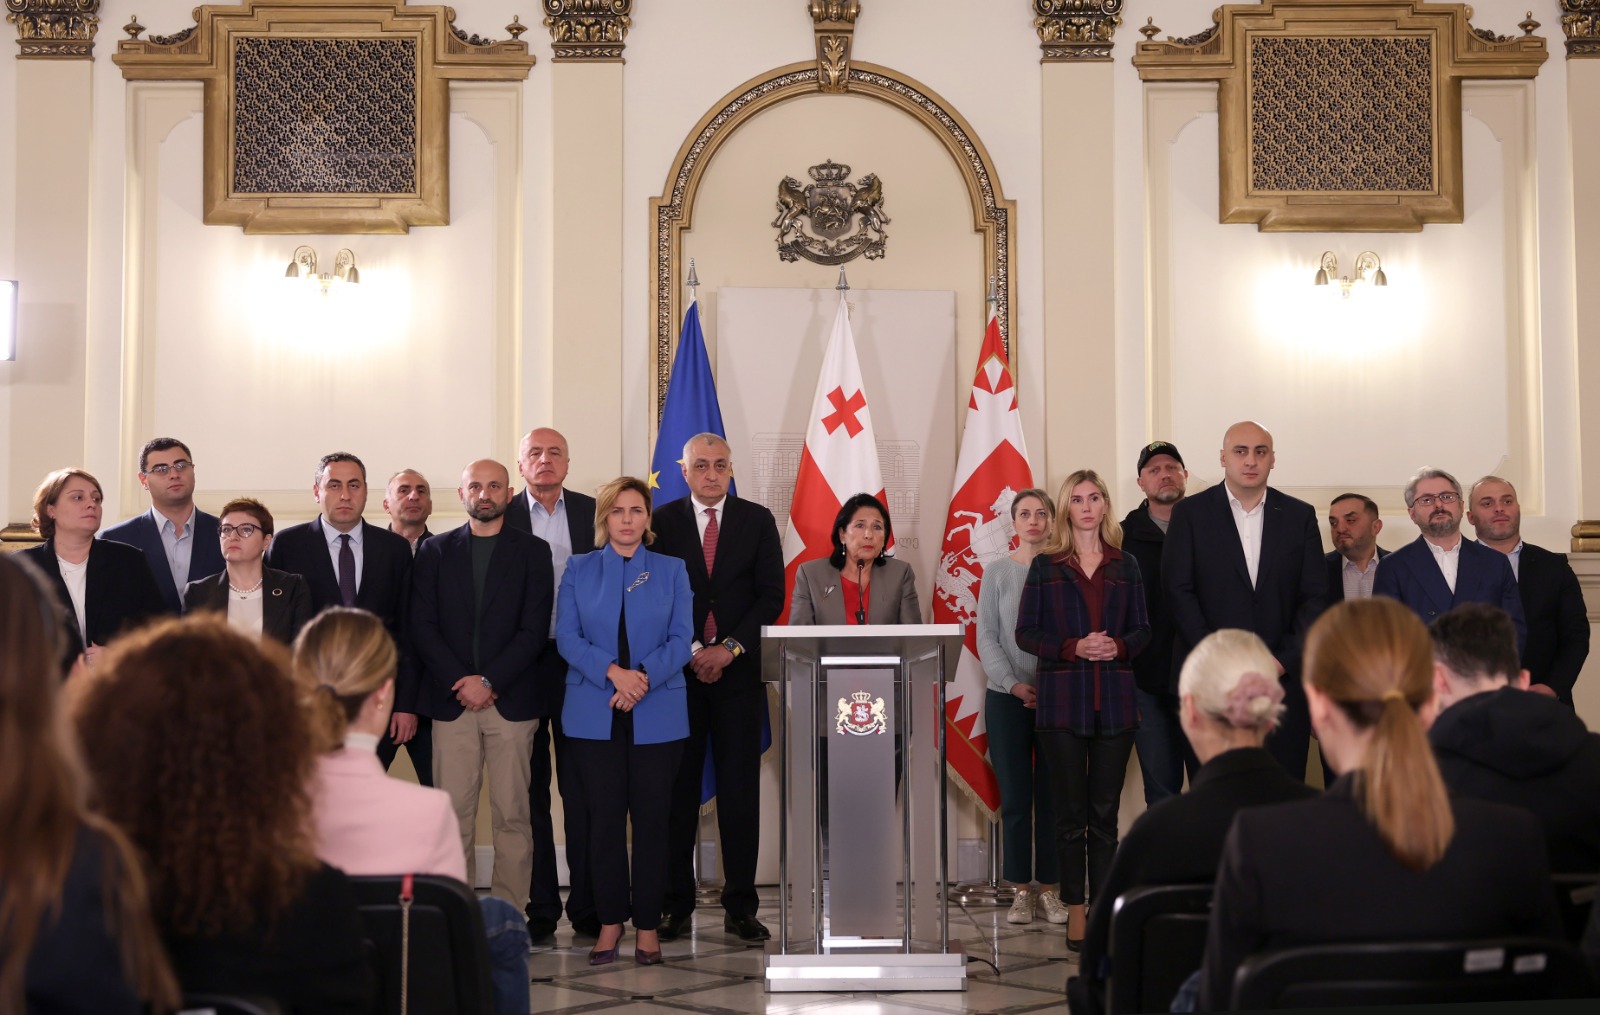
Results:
<point x="588" y="31"/>
<point x="1073" y="31"/>
<point x="325" y="116"/>
<point x="1580" y="21"/>
<point x="834" y="24"/>
<point x="1341" y="115"/>
<point x="54" y="29"/>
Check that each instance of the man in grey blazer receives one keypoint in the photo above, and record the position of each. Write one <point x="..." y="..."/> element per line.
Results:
<point x="178" y="539"/>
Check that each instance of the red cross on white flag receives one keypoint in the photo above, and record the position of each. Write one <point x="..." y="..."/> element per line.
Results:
<point x="840" y="458"/>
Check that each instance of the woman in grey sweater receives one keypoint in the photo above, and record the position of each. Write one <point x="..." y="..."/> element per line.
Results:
<point x="1027" y="817"/>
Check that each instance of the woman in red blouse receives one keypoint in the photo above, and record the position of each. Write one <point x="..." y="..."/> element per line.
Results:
<point x="858" y="583"/>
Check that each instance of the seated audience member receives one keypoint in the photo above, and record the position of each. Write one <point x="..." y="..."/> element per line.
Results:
<point x="1385" y="854"/>
<point x="104" y="586"/>
<point x="176" y="732"/>
<point x="1229" y="700"/>
<point x="366" y="822"/>
<point x="1495" y="740"/>
<point x="75" y="928"/>
<point x="256" y="599"/>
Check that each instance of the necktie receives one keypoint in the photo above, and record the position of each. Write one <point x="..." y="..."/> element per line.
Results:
<point x="708" y="545"/>
<point x="347" y="571"/>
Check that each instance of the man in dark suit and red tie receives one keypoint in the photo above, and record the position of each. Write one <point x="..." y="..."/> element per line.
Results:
<point x="735" y="562"/>
<point x="564" y="519"/>
<point x="178" y="539"/>
<point x="1552" y="601"/>
<point x="1442" y="569"/>
<point x="1244" y="555"/>
<point x="348" y="562"/>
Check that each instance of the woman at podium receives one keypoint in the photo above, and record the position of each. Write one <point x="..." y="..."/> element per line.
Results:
<point x="1083" y="614"/>
<point x="858" y="583"/>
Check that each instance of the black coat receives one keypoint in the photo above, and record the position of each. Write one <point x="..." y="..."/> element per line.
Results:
<point x="550" y="691"/>
<point x="1143" y="538"/>
<point x="76" y="963"/>
<point x="1558" y="621"/>
<point x="745" y="590"/>
<point x="1316" y="872"/>
<point x="205" y="556"/>
<point x="1525" y="750"/>
<point x="1208" y="583"/>
<point x="513" y="622"/>
<point x="119" y="591"/>
<point x="384" y="588"/>
<point x="285" y="601"/>
<point x="1179" y="840"/>
<point x="1336" y="574"/>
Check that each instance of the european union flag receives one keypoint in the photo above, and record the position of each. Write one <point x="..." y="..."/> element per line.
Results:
<point x="691" y="408"/>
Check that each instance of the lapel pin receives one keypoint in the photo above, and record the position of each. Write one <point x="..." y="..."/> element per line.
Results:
<point x="644" y="576"/>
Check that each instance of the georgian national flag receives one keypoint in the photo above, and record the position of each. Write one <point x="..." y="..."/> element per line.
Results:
<point x="840" y="458"/>
<point x="991" y="468"/>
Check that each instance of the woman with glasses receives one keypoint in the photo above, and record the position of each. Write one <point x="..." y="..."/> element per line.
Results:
<point x="257" y="599"/>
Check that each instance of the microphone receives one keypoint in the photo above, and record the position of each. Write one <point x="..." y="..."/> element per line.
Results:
<point x="861" y="608"/>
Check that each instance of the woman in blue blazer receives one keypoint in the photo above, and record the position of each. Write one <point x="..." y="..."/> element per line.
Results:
<point x="624" y="626"/>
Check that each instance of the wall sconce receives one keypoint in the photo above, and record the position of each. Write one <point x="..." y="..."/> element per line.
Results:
<point x="8" y="319"/>
<point x="304" y="265"/>
<point x="1366" y="262"/>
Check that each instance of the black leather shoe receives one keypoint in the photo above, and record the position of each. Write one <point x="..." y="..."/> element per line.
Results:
<point x="586" y="928"/>
<point x="541" y="931"/>
<point x="747" y="927"/>
<point x="672" y="927"/>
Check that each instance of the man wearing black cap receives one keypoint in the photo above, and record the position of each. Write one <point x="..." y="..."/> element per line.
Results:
<point x="1163" y="750"/>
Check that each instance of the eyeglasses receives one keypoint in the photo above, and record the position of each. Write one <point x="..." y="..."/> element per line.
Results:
<point x="242" y="531"/>
<point x="1428" y="499"/>
<point x="181" y="466"/>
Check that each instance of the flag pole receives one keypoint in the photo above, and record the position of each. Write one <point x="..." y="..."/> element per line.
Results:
<point x="693" y="282"/>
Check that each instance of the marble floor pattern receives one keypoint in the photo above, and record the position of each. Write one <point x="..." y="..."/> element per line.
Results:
<point x="714" y="972"/>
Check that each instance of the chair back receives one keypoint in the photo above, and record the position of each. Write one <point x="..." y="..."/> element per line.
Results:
<point x="228" y="1004"/>
<point x="448" y="967"/>
<point x="1411" y="972"/>
<point x="1575" y="895"/>
<point x="1158" y="936"/>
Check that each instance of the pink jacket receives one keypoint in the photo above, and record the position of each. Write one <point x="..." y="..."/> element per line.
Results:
<point x="368" y="823"/>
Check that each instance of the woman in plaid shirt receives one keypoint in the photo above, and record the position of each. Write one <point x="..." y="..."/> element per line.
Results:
<point x="1083" y="614"/>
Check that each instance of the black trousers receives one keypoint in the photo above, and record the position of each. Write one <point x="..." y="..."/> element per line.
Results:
<point x="1290" y="743"/>
<point x="729" y="720"/>
<point x="544" y="894"/>
<point x="419" y="748"/>
<point x="1086" y="775"/>
<point x="623" y="780"/>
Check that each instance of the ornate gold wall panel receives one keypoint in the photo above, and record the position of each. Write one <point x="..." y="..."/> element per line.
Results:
<point x="1580" y="22"/>
<point x="673" y="213"/>
<point x="1076" y="30"/>
<point x="588" y="31"/>
<point x="324" y="116"/>
<point x="1341" y="115"/>
<point x="54" y="29"/>
<point x="834" y="26"/>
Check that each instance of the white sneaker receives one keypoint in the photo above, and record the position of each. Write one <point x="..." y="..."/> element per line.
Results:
<point x="1054" y="909"/>
<point x="1022" y="907"/>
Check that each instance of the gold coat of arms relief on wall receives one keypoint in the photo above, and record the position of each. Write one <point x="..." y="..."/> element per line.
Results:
<point x="831" y="205"/>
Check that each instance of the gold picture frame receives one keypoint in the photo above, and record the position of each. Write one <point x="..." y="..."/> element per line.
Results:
<point x="1341" y="115"/>
<point x="325" y="116"/>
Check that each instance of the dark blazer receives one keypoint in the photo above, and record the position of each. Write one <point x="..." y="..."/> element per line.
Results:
<point x="1208" y="583"/>
<point x="205" y="557"/>
<point x="1143" y="539"/>
<point x="1179" y="840"/>
<point x="745" y="589"/>
<point x="285" y="601"/>
<point x="551" y="678"/>
<point x="819" y="594"/>
<point x="659" y="605"/>
<point x="1558" y="621"/>
<point x="513" y="624"/>
<point x="1316" y="872"/>
<point x="76" y="964"/>
<point x="1336" y="574"/>
<point x="384" y="589"/>
<point x="1483" y="575"/>
<point x="119" y="591"/>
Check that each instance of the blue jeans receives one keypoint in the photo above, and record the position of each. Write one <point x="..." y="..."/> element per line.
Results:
<point x="507" y="931"/>
<point x="1027" y="810"/>
<point x="1164" y="751"/>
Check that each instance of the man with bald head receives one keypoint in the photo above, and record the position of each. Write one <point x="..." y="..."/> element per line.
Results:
<point x="480" y="614"/>
<point x="564" y="519"/>
<point x="1244" y="555"/>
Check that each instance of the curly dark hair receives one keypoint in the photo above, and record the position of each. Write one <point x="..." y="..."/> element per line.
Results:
<point x="177" y="726"/>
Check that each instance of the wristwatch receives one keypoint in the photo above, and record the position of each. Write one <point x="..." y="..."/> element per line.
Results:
<point x="733" y="646"/>
<point x="486" y="685"/>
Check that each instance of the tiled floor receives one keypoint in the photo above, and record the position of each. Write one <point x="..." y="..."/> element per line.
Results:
<point x="711" y="971"/>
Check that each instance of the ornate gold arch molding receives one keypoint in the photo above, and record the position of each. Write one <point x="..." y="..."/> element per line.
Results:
<point x="673" y="213"/>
